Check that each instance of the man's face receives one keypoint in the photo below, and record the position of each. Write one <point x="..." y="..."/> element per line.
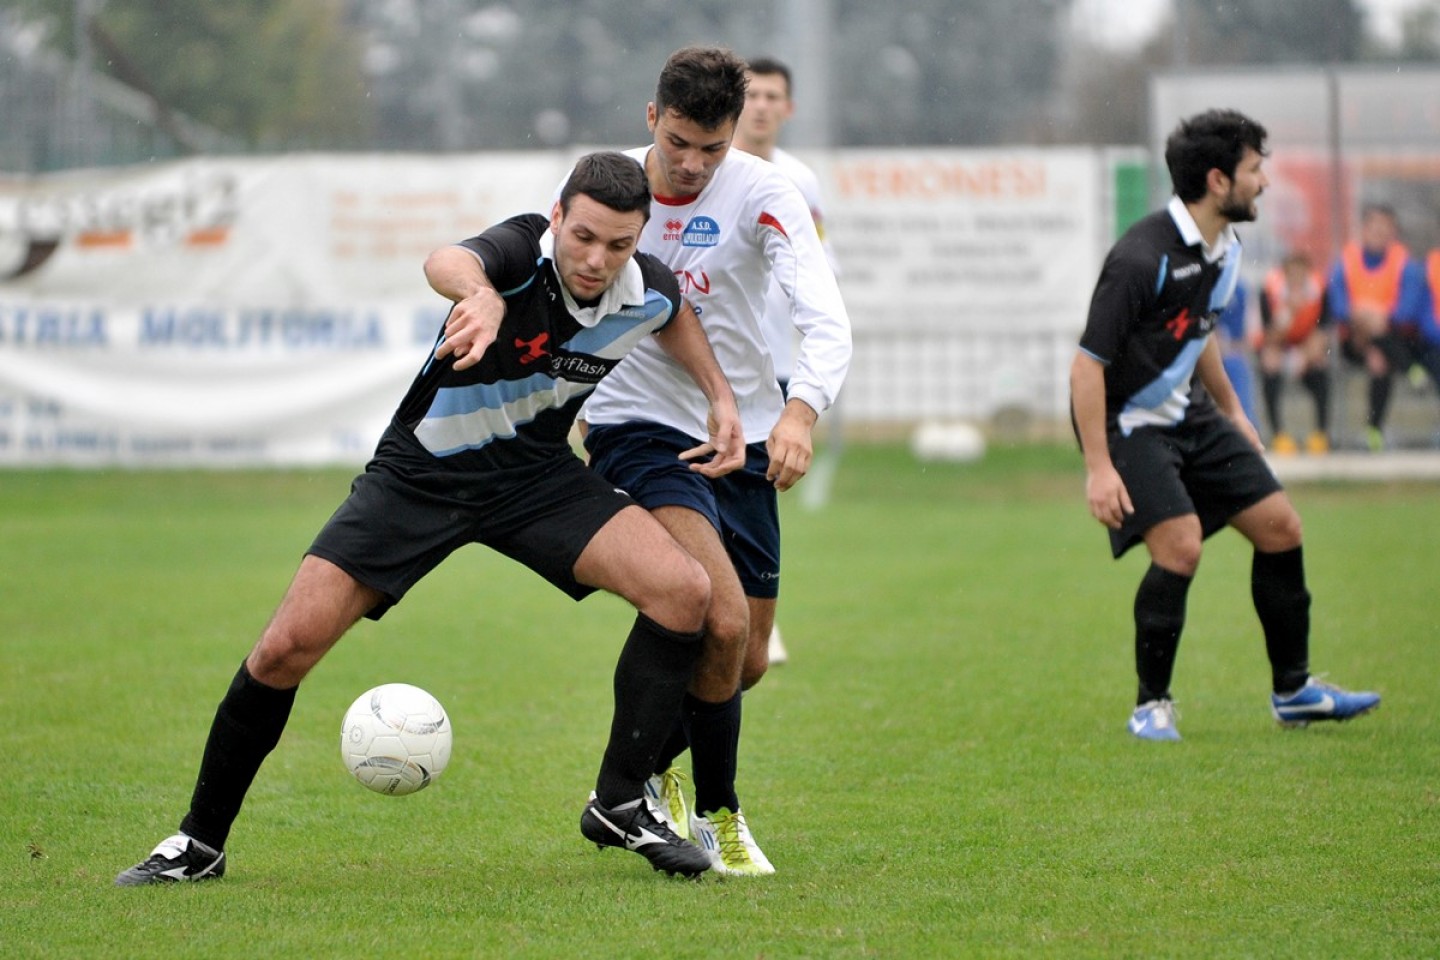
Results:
<point x="1297" y="274"/>
<point x="767" y="107"/>
<point x="686" y="154"/>
<point x="592" y="244"/>
<point x="1378" y="231"/>
<point x="1238" y="205"/>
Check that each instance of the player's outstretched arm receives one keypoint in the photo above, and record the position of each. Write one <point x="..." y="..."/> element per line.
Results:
<point x="684" y="339"/>
<point x="1105" y="492"/>
<point x="458" y="275"/>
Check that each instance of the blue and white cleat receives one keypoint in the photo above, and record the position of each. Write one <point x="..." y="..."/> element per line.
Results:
<point x="1154" y="720"/>
<point x="1318" y="700"/>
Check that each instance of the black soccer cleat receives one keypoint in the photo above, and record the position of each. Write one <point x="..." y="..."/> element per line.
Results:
<point x="634" y="826"/>
<point x="177" y="859"/>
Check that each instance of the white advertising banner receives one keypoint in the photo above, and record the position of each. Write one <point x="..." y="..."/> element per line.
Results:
<point x="272" y="311"/>
<point x="219" y="312"/>
<point x="970" y="239"/>
<point x="967" y="275"/>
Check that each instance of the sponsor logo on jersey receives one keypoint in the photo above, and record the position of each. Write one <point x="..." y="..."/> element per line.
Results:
<point x="579" y="369"/>
<point x="1188" y="270"/>
<point x="1179" y="324"/>
<point x="691" y="283"/>
<point x="700" y="232"/>
<point x="673" y="229"/>
<point x="534" y="349"/>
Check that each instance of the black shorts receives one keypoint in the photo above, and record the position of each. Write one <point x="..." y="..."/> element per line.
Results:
<point x="407" y="512"/>
<point x="1207" y="468"/>
<point x="643" y="459"/>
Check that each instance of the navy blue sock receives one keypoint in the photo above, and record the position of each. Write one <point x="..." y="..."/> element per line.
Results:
<point x="714" y="730"/>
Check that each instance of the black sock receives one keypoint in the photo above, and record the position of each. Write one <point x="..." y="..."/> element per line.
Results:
<point x="1270" y="386"/>
<point x="714" y="730"/>
<point x="650" y="680"/>
<point x="1379" y="400"/>
<point x="246" y="728"/>
<point x="677" y="744"/>
<point x="1277" y="584"/>
<point x="1318" y="383"/>
<point x="1159" y="619"/>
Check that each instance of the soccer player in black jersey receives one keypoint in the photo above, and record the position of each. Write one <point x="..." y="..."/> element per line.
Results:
<point x="479" y="452"/>
<point x="1168" y="465"/>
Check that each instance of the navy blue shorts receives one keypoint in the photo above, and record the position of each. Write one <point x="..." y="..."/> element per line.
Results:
<point x="407" y="512"/>
<point x="643" y="459"/>
<point x="1206" y="468"/>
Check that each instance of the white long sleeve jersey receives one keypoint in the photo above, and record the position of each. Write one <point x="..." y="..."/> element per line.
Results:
<point x="779" y="323"/>
<point x="724" y="244"/>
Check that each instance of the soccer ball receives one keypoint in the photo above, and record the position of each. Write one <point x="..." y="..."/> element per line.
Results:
<point x="395" y="739"/>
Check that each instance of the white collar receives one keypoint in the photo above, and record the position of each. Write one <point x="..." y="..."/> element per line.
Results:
<point x="627" y="290"/>
<point x="1190" y="232"/>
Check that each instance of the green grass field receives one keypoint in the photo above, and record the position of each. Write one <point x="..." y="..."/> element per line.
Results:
<point x="940" y="771"/>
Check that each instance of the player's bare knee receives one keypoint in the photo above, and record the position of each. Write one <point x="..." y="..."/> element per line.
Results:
<point x="281" y="658"/>
<point x="681" y="599"/>
<point x="726" y="629"/>
<point x="757" y="664"/>
<point x="1284" y="533"/>
<point x="1181" y="555"/>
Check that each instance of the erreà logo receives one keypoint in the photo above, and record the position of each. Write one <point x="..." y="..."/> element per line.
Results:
<point x="190" y="211"/>
<point x="700" y="232"/>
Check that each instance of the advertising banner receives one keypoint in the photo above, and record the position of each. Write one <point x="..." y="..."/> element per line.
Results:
<point x="214" y="312"/>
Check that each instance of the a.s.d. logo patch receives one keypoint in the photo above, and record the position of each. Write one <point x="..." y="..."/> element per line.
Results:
<point x="700" y="232"/>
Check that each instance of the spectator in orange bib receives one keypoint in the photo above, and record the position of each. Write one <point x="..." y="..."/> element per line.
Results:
<point x="1373" y="294"/>
<point x="1291" y="310"/>
<point x="1430" y="319"/>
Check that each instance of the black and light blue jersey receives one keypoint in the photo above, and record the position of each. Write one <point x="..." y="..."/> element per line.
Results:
<point x="1156" y="302"/>
<point x="517" y="405"/>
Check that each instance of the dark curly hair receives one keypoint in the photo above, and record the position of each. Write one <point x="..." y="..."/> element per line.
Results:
<point x="1214" y="140"/>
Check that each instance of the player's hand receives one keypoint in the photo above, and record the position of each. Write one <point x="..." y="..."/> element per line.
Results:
<point x="471" y="328"/>
<point x="1109" y="500"/>
<point x="725" y="451"/>
<point x="790" y="446"/>
<point x="1248" y="431"/>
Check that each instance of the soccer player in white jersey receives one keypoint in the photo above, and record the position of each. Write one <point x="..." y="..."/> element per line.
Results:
<point x="769" y="105"/>
<point x="725" y="222"/>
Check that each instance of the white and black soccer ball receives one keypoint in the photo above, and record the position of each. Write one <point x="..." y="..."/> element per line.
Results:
<point x="395" y="739"/>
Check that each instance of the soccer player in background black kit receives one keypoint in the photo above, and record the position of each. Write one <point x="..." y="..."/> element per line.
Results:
<point x="479" y="452"/>
<point x="1163" y="465"/>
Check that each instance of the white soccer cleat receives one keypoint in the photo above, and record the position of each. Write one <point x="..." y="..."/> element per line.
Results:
<point x="664" y="792"/>
<point x="778" y="654"/>
<point x="726" y="837"/>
